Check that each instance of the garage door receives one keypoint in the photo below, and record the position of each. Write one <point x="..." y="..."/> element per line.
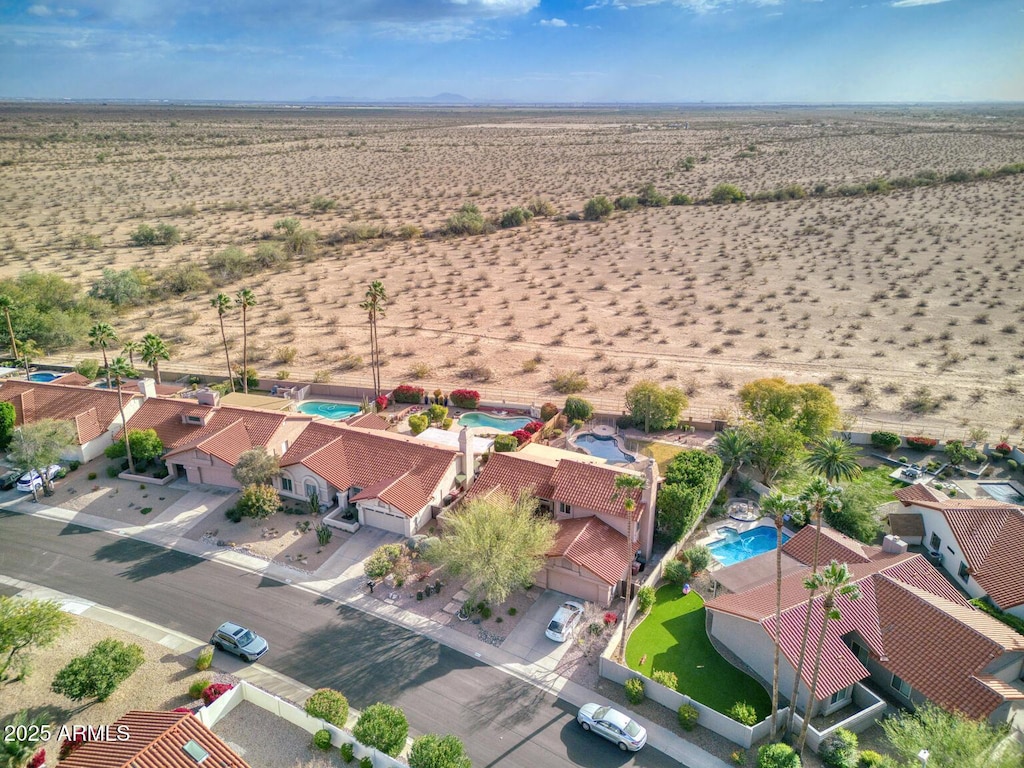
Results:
<point x="573" y="585"/>
<point x="392" y="523"/>
<point x="217" y="476"/>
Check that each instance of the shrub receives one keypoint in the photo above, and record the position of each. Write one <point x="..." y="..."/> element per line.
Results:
<point x="379" y="564"/>
<point x="418" y="422"/>
<point x="99" y="672"/>
<point x="1003" y="448"/>
<point x="743" y="713"/>
<point x="383" y="727"/>
<point x="548" y="411"/>
<point x="322" y="739"/>
<point x="541" y="207"/>
<point x="687" y="714"/>
<point x="38" y="760"/>
<point x="645" y="598"/>
<point x="680" y="199"/>
<point x="698" y="557"/>
<point x="214" y="691"/>
<point x="433" y="751"/>
<point x="234" y="514"/>
<point x="88" y="368"/>
<point x="635" y="690"/>
<point x="855" y="514"/>
<point x="870" y="759"/>
<point x="258" y="502"/>
<point x="610" y="617"/>
<point x="366" y="762"/>
<point x="521" y="436"/>
<point x="727" y="193"/>
<point x="777" y="756"/>
<point x="650" y="197"/>
<point x="533" y="427"/>
<point x="577" y="409"/>
<point x="666" y="678"/>
<point x="652" y="406"/>
<point x="886" y="441"/>
<point x="922" y="443"/>
<point x="515" y="217"/>
<point x="205" y="659"/>
<point x="91" y="476"/>
<point x="328" y="704"/>
<point x="465" y="398"/>
<point x="406" y="393"/>
<point x="597" y="208"/>
<point x="466" y="221"/>
<point x="839" y="749"/>
<point x="569" y="382"/>
<point x="196" y="689"/>
<point x="676" y="572"/>
<point x="690" y="482"/>
<point x="113" y="470"/>
<point x="1012" y="464"/>
<point x="505" y="443"/>
<point x="626" y="202"/>
<point x="347" y="753"/>
<point x="1007" y="618"/>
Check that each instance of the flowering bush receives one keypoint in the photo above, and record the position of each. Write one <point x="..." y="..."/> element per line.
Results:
<point x="922" y="443"/>
<point x="381" y="402"/>
<point x="610" y="617"/>
<point x="1003" y="448"/>
<point x="533" y="427"/>
<point x="214" y="691"/>
<point x="521" y="435"/>
<point x="69" y="745"/>
<point x="38" y="759"/>
<point x="465" y="398"/>
<point x="182" y="709"/>
<point x="406" y="393"/>
<point x="548" y="411"/>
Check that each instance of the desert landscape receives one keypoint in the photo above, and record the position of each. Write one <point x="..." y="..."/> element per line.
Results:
<point x="906" y="301"/>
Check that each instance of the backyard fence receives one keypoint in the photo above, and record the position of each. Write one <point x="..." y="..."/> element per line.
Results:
<point x="871" y="709"/>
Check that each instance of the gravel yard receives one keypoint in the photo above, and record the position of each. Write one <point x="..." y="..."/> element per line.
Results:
<point x="266" y="741"/>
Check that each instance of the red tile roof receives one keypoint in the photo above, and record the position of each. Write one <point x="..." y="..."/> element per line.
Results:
<point x="397" y="469"/>
<point x="515" y="475"/>
<point x="155" y="740"/>
<point x="992" y="540"/>
<point x="832" y="546"/>
<point x="593" y="487"/>
<point x="91" y="410"/>
<point x="75" y="379"/>
<point x="593" y="544"/>
<point x="919" y="492"/>
<point x="369" y="421"/>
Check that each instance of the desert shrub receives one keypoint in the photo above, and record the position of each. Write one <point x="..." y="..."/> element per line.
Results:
<point x="328" y="704"/>
<point x="322" y="204"/>
<point x="204" y="659"/>
<point x="839" y="749"/>
<point x="214" y="691"/>
<point x="650" y="197"/>
<point x="687" y="714"/>
<point x="515" y="217"/>
<point x="634" y="690"/>
<point x="885" y="441"/>
<point x="162" y="234"/>
<point x="666" y="678"/>
<point x="196" y="689"/>
<point x="405" y="393"/>
<point x="347" y="753"/>
<point x="123" y="287"/>
<point x="433" y="751"/>
<point x="184" y="278"/>
<point x="418" y="422"/>
<point x="680" y="199"/>
<point x="577" y="409"/>
<point x="322" y="739"/>
<point x="870" y="759"/>
<point x="626" y="202"/>
<point x="464" y="398"/>
<point x="383" y="727"/>
<point x="99" y="672"/>
<point x="727" y="193"/>
<point x="231" y="263"/>
<point x="676" y="572"/>
<point x="597" y="208"/>
<point x="268" y="255"/>
<point x="569" y="382"/>
<point x="258" y="502"/>
<point x="743" y="713"/>
<point x="921" y="400"/>
<point x="922" y="443"/>
<point x="466" y="221"/>
<point x="777" y="756"/>
<point x="505" y="443"/>
<point x="379" y="564"/>
<point x="645" y="598"/>
<point x="541" y="207"/>
<point x="88" y="368"/>
<point x="698" y="557"/>
<point x="548" y="411"/>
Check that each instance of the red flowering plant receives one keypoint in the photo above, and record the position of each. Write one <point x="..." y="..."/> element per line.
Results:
<point x="214" y="691"/>
<point x="610" y="617"/>
<point x="38" y="760"/>
<point x="533" y="427"/>
<point x="465" y="398"/>
<point x="521" y="435"/>
<point x="381" y="403"/>
<point x="1003" y="448"/>
<point x="70" y="744"/>
<point x="406" y="393"/>
<point x="922" y="443"/>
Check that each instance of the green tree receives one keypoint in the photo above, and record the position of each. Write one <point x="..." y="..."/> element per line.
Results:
<point x="102" y="335"/>
<point x="222" y="303"/>
<point x="26" y="625"/>
<point x="144" y="444"/>
<point x="834" y="581"/>
<point x="328" y="704"/>
<point x="809" y="408"/>
<point x="8" y="418"/>
<point x="6" y="305"/>
<point x="577" y="409"/>
<point x="118" y="371"/>
<point x="245" y="299"/>
<point x="154" y="349"/>
<point x="775" y="448"/>
<point x="855" y="515"/>
<point x="375" y="305"/>
<point x="256" y="467"/>
<point x="89" y="368"/>
<point x="434" y="751"/>
<point x="29" y="352"/>
<point x="777" y="507"/>
<point x="258" y="502"/>
<point x="21" y="735"/>
<point x="99" y="672"/>
<point x="124" y="287"/>
<point x="382" y="727"/>
<point x="733" y="447"/>
<point x="652" y="406"/>
<point x="952" y="740"/>
<point x="39" y="444"/>
<point x="956" y="453"/>
<point x="627" y="488"/>
<point x="496" y="542"/>
<point x="131" y="348"/>
<point x="727" y="193"/>
<point x="834" y="458"/>
<point x="598" y="208"/>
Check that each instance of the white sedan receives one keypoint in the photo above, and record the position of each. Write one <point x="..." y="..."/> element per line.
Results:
<point x="31" y="481"/>
<point x="613" y="725"/>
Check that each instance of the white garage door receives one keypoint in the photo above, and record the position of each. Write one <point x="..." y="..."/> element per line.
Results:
<point x="393" y="523"/>
<point x="575" y="586"/>
<point x="217" y="476"/>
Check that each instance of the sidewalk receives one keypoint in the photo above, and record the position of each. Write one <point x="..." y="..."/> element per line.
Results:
<point x="341" y="579"/>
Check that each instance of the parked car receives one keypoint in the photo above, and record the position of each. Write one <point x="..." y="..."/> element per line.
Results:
<point x="236" y="639"/>
<point x="9" y="479"/>
<point x="562" y="624"/>
<point x="32" y="481"/>
<point x="613" y="725"/>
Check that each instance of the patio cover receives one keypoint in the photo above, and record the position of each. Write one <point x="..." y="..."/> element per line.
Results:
<point x="754" y="571"/>
<point x="448" y="439"/>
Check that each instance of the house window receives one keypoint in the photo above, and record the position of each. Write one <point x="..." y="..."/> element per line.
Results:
<point x="565" y="508"/>
<point x="312" y="488"/>
<point x="962" y="572"/>
<point x="860" y="652"/>
<point x="842" y="695"/>
<point x="901" y="685"/>
<point x="286" y="484"/>
<point x="935" y="543"/>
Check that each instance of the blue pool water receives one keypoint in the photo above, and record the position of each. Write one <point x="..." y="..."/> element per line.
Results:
<point x="1003" y="492"/>
<point x="739" y="547"/>
<point x="500" y="423"/>
<point x="44" y="376"/>
<point x="604" y="447"/>
<point x="333" y="411"/>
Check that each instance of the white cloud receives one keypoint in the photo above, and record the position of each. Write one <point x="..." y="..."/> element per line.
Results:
<point x="697" y="6"/>
<point x="39" y="10"/>
<point x="553" y="23"/>
<point x="913" y="3"/>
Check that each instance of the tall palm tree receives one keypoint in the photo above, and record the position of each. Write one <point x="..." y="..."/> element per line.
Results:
<point x="623" y="485"/>
<point x="777" y="506"/>
<point x="154" y="349"/>
<point x="833" y="581"/>
<point x="131" y="348"/>
<point x="29" y="352"/>
<point x="6" y="305"/>
<point x="834" y="458"/>
<point x="102" y="335"/>
<point x="119" y="370"/>
<point x="375" y="305"/>
<point x="733" y="447"/>
<point x="222" y="303"/>
<point x="245" y="299"/>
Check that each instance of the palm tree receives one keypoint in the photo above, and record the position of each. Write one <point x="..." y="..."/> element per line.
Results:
<point x="375" y="305"/>
<point x="733" y="447"/>
<point x="102" y="335"/>
<point x="834" y="458"/>
<point x="623" y="485"/>
<point x="833" y="581"/>
<point x="222" y="303"/>
<point x="245" y="299"/>
<point x="131" y="348"/>
<point x="154" y="349"/>
<point x="29" y="352"/>
<point x="777" y="507"/>
<point x="6" y="305"/>
<point x="119" y="370"/>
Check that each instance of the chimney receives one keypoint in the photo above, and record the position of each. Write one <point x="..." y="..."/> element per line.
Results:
<point x="207" y="397"/>
<point x="148" y="388"/>
<point x="894" y="545"/>
<point x="468" y="460"/>
<point x="649" y="497"/>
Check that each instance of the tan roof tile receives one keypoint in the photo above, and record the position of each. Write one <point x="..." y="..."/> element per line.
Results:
<point x="91" y="410"/>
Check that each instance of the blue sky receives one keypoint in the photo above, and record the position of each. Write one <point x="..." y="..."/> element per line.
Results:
<point x="525" y="50"/>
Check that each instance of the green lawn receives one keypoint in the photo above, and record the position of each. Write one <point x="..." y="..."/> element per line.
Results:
<point x="662" y="453"/>
<point x="876" y="479"/>
<point x="673" y="638"/>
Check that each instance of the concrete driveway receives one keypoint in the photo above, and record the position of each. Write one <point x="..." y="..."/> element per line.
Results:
<point x="527" y="640"/>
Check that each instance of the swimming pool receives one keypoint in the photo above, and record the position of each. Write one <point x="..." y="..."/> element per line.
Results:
<point x="604" y="447"/>
<point x="333" y="411"/>
<point x="44" y="376"/>
<point x="737" y="547"/>
<point x="1003" y="492"/>
<point x="500" y="423"/>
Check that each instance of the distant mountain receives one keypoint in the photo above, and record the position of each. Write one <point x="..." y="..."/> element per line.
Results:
<point x="441" y="98"/>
